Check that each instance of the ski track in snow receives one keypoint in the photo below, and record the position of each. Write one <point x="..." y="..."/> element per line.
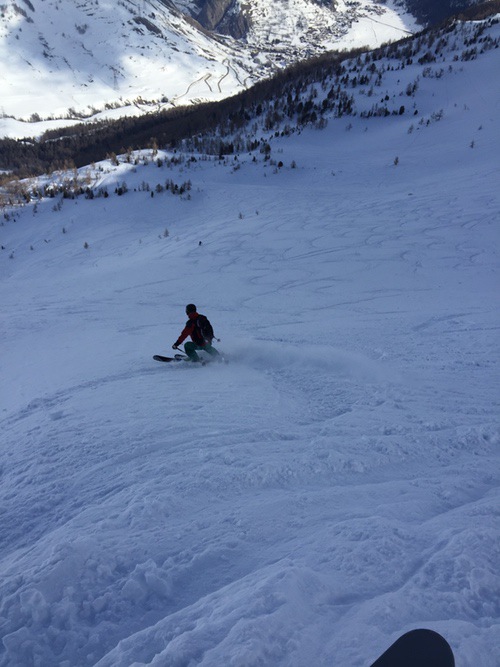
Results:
<point x="334" y="485"/>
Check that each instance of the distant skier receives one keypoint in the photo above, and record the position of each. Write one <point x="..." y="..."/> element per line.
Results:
<point x="201" y="332"/>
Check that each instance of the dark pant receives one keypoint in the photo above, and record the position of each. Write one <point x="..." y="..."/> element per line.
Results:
<point x="190" y="349"/>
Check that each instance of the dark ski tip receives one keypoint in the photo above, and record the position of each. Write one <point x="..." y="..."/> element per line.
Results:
<point x="418" y="648"/>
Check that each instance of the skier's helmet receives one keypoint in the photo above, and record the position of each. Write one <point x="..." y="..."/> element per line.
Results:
<point x="190" y="308"/>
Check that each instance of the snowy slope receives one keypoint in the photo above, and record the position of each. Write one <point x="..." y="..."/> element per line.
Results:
<point x="61" y="61"/>
<point x="333" y="486"/>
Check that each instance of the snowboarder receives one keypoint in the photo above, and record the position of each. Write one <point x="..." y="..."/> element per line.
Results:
<point x="201" y="332"/>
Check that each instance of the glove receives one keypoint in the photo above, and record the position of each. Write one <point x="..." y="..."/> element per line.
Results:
<point x="175" y="346"/>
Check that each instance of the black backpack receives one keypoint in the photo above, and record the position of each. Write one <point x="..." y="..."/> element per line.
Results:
<point x="205" y="329"/>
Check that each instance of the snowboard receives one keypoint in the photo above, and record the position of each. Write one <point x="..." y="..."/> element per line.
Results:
<point x="418" y="648"/>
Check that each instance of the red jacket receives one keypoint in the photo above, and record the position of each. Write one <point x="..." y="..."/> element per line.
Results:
<point x="192" y="330"/>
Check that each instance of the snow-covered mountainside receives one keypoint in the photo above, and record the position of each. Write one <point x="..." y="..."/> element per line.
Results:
<point x="333" y="486"/>
<point x="104" y="59"/>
